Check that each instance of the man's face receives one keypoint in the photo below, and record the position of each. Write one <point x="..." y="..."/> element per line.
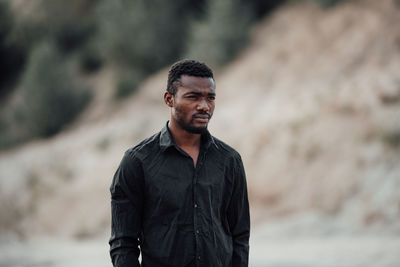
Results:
<point x="193" y="103"/>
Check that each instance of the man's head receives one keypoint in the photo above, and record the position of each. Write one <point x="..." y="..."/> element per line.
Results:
<point x="186" y="67"/>
<point x="190" y="94"/>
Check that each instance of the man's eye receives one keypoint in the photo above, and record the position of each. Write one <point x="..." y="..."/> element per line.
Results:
<point x="211" y="97"/>
<point x="192" y="96"/>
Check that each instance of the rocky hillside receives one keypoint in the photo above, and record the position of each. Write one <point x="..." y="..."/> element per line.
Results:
<point x="313" y="105"/>
<point x="319" y="126"/>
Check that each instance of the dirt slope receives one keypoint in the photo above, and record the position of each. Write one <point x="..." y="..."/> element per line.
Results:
<point x="313" y="105"/>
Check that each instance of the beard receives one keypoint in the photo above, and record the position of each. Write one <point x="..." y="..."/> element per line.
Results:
<point x="189" y="126"/>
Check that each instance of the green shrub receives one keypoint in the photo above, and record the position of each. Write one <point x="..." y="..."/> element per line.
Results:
<point x="259" y="8"/>
<point x="90" y="59"/>
<point x="137" y="34"/>
<point x="326" y="3"/>
<point x="72" y="35"/>
<point x="12" y="57"/>
<point x="51" y="96"/>
<point x="221" y="34"/>
<point x="48" y="97"/>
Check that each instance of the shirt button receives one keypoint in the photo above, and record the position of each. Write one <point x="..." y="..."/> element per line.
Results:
<point x="199" y="258"/>
<point x="195" y="205"/>
<point x="197" y="231"/>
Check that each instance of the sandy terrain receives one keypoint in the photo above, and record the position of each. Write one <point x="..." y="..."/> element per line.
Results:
<point x="331" y="251"/>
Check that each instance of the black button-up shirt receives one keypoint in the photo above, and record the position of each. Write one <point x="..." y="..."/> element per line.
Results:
<point x="178" y="214"/>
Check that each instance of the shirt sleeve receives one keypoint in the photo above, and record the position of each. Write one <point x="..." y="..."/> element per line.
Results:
<point x="239" y="217"/>
<point x="126" y="212"/>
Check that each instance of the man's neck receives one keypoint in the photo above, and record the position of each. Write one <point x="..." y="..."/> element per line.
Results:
<point x="183" y="138"/>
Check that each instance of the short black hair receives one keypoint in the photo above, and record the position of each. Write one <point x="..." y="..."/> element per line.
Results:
<point x="186" y="67"/>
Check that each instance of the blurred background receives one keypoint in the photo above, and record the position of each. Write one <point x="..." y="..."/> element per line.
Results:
<point x="307" y="91"/>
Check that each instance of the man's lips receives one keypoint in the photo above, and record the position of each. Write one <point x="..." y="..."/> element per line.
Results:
<point x="202" y="117"/>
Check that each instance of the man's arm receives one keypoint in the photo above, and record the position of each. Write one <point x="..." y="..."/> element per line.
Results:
<point x="239" y="217"/>
<point x="126" y="212"/>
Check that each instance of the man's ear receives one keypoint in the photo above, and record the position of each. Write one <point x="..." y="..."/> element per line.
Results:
<point x="169" y="99"/>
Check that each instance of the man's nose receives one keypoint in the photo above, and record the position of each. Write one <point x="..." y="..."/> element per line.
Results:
<point x="203" y="105"/>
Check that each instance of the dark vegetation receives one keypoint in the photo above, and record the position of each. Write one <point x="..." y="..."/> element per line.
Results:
<point x="47" y="53"/>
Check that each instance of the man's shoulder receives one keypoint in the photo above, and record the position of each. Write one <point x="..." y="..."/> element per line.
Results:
<point x="144" y="147"/>
<point x="225" y="149"/>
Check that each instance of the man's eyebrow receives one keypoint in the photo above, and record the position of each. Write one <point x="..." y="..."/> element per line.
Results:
<point x="198" y="93"/>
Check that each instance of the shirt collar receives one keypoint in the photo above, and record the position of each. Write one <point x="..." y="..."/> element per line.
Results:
<point x="166" y="138"/>
<point x="167" y="141"/>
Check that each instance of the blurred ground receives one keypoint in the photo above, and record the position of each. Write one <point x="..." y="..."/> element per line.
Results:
<point x="318" y="129"/>
<point x="330" y="251"/>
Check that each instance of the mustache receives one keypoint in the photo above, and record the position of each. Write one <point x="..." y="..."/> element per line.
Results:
<point x="201" y="114"/>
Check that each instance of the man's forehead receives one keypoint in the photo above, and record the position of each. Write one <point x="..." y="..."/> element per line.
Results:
<point x="196" y="82"/>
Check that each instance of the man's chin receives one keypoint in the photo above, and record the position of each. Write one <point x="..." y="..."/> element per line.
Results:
<point x="196" y="130"/>
<point x="193" y="127"/>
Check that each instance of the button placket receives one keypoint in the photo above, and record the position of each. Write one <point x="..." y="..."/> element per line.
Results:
<point x="196" y="225"/>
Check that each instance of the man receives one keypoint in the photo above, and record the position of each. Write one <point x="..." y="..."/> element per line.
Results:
<point x="180" y="196"/>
